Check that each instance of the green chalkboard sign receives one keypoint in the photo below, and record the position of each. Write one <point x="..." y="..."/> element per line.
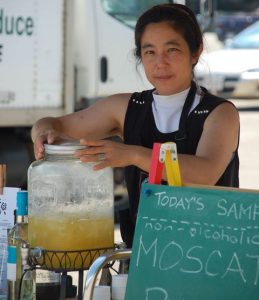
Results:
<point x="195" y="243"/>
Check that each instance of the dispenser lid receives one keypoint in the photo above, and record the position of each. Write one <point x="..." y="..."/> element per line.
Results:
<point x="64" y="147"/>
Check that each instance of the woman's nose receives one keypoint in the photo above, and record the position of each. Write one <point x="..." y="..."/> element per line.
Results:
<point x="161" y="59"/>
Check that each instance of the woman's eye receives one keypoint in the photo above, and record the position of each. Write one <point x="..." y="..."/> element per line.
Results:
<point x="172" y="49"/>
<point x="149" y="52"/>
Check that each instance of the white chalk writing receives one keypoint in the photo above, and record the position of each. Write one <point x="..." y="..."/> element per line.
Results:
<point x="171" y="256"/>
<point x="179" y="203"/>
<point x="247" y="235"/>
<point x="239" y="211"/>
<point x="155" y="291"/>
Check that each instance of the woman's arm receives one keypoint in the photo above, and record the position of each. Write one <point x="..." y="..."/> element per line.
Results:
<point x="103" y="119"/>
<point x="218" y="142"/>
<point x="214" y="152"/>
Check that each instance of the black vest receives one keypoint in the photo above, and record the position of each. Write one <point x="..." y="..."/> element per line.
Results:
<point x="140" y="129"/>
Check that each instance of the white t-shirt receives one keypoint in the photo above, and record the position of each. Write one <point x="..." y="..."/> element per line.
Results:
<point x="167" y="110"/>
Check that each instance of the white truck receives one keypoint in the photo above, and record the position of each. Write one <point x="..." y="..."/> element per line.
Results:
<point x="57" y="56"/>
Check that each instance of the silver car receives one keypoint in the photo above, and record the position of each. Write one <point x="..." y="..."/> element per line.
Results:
<point x="234" y="70"/>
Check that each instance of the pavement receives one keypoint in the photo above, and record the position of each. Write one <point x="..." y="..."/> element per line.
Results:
<point x="249" y="150"/>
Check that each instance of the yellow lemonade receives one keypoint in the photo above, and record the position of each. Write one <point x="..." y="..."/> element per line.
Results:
<point x="70" y="234"/>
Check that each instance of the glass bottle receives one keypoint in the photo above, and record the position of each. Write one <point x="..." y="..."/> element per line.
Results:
<point x="21" y="283"/>
<point x="71" y="206"/>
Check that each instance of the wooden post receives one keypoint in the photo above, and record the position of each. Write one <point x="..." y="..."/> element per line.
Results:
<point x="2" y="178"/>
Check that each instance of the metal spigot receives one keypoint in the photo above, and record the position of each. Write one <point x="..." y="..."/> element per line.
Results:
<point x="35" y="254"/>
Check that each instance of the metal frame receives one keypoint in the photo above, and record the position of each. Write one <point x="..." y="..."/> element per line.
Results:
<point x="96" y="267"/>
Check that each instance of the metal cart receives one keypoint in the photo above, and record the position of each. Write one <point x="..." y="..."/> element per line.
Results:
<point x="64" y="262"/>
<point x="98" y="265"/>
<point x="93" y="260"/>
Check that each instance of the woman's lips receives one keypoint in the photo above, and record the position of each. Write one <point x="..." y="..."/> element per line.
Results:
<point x="163" y="77"/>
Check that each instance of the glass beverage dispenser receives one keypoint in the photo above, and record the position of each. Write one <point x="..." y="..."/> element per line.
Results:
<point x="71" y="206"/>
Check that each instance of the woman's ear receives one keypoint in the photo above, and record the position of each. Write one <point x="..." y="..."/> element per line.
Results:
<point x="196" y="56"/>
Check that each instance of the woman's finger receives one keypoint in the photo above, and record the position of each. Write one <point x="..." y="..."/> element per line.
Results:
<point x="92" y="143"/>
<point x="90" y="151"/>
<point x="101" y="165"/>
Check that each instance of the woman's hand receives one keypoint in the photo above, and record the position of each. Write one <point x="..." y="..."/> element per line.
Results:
<point x="108" y="153"/>
<point x="82" y="123"/>
<point x="49" y="136"/>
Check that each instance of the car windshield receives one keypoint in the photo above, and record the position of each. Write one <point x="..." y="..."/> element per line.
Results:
<point x="127" y="11"/>
<point x="247" y="39"/>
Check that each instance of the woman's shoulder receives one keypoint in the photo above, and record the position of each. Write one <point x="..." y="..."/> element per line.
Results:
<point x="220" y="109"/>
<point x="211" y="101"/>
<point x="140" y="98"/>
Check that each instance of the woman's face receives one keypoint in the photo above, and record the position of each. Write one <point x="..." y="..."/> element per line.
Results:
<point x="166" y="58"/>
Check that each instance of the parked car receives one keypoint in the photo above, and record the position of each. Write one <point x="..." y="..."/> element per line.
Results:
<point x="234" y="70"/>
<point x="228" y="25"/>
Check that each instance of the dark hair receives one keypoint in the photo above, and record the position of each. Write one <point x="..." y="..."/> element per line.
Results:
<point x="179" y="16"/>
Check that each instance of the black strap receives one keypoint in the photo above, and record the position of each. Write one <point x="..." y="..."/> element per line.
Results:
<point x="139" y="118"/>
<point x="146" y="96"/>
<point x="181" y="133"/>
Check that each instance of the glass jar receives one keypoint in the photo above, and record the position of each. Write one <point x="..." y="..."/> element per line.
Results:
<point x="71" y="206"/>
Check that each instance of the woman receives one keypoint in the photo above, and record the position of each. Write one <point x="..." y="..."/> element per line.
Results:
<point x="205" y="128"/>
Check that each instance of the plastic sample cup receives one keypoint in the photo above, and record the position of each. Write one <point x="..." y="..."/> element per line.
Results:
<point x="102" y="292"/>
<point x="119" y="283"/>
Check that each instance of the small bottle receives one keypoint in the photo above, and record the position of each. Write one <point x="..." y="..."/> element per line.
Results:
<point x="28" y="287"/>
<point x="18" y="250"/>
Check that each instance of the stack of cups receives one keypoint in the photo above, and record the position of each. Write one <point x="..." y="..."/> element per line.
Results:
<point x="119" y="283"/>
<point x="102" y="292"/>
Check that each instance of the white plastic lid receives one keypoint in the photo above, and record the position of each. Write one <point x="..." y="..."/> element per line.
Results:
<point x="65" y="147"/>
